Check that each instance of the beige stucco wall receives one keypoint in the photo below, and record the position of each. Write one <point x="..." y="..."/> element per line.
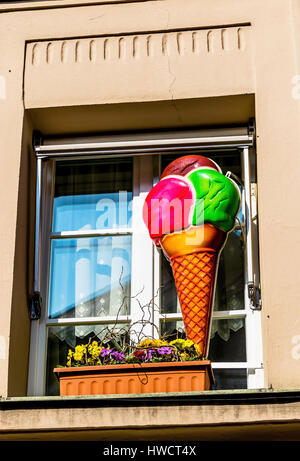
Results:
<point x="206" y="50"/>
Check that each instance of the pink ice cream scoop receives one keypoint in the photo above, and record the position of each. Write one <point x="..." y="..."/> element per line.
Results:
<point x="168" y="207"/>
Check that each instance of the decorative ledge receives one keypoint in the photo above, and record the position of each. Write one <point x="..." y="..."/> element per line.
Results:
<point x="127" y="47"/>
<point x="139" y="67"/>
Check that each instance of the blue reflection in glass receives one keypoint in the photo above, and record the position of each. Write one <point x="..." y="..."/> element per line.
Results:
<point x="92" y="211"/>
<point x="90" y="276"/>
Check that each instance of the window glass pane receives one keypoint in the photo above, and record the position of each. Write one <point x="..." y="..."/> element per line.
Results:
<point x="63" y="338"/>
<point x="90" y="277"/>
<point x="168" y="295"/>
<point x="227" y="341"/>
<point x="92" y="195"/>
<point x="172" y="329"/>
<point x="230" y="379"/>
<point x="229" y="292"/>
<point x="230" y="284"/>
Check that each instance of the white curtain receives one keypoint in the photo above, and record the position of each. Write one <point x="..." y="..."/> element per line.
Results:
<point x="102" y="283"/>
<point x="223" y="327"/>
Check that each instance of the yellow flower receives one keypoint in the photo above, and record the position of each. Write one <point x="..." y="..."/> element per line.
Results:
<point x="92" y="346"/>
<point x="198" y="349"/>
<point x="152" y="343"/>
<point x="188" y="343"/>
<point x="178" y="343"/>
<point x="95" y="351"/>
<point x="184" y="356"/>
<point x="160" y="342"/>
<point x="81" y="348"/>
<point x="69" y="363"/>
<point x="78" y="356"/>
<point x="145" y="343"/>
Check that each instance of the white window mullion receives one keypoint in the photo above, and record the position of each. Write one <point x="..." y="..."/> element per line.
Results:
<point x="156" y="262"/>
<point x="218" y="315"/>
<point x="229" y="365"/>
<point x="142" y="253"/>
<point x="253" y="317"/>
<point x="156" y="293"/>
<point x="255" y="374"/>
<point x="88" y="320"/>
<point x="34" y="334"/>
<point x="91" y="233"/>
<point x="37" y="357"/>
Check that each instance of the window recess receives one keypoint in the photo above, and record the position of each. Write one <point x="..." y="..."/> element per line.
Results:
<point x="71" y="176"/>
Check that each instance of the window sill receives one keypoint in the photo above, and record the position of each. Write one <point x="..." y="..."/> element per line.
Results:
<point x="209" y="415"/>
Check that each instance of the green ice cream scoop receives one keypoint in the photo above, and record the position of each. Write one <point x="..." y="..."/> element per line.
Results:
<point x="217" y="199"/>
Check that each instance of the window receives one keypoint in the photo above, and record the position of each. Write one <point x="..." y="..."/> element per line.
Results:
<point x="97" y="267"/>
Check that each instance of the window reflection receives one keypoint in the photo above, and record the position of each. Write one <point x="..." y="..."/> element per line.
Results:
<point x="227" y="338"/>
<point x="230" y="379"/>
<point x="90" y="277"/>
<point x="90" y="196"/>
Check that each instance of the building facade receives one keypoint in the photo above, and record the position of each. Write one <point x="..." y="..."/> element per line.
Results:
<point x="96" y="98"/>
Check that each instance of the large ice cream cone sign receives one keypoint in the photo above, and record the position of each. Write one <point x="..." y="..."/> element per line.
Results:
<point x="189" y="214"/>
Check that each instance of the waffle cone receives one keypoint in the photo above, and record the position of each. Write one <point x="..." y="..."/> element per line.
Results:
<point x="194" y="270"/>
<point x="194" y="276"/>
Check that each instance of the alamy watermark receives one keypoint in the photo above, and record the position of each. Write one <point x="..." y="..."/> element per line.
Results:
<point x="295" y="81"/>
<point x="161" y="216"/>
<point x="150" y="450"/>
<point x="2" y="87"/>
<point x="295" y="352"/>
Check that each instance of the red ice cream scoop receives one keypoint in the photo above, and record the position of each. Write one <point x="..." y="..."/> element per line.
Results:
<point x="182" y="165"/>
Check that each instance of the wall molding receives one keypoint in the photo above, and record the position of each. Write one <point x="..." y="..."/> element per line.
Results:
<point x="137" y="46"/>
<point x="136" y="67"/>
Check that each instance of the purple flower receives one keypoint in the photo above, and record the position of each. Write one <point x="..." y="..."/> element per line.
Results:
<point x="105" y="352"/>
<point x="150" y="353"/>
<point x="165" y="350"/>
<point x="118" y="356"/>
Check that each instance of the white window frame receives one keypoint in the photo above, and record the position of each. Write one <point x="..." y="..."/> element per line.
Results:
<point x="145" y="278"/>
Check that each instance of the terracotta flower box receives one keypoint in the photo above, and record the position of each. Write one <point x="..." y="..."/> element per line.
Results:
<point x="136" y="378"/>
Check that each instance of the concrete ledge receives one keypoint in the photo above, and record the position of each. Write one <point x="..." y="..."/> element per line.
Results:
<point x="222" y="397"/>
<point x="214" y="415"/>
